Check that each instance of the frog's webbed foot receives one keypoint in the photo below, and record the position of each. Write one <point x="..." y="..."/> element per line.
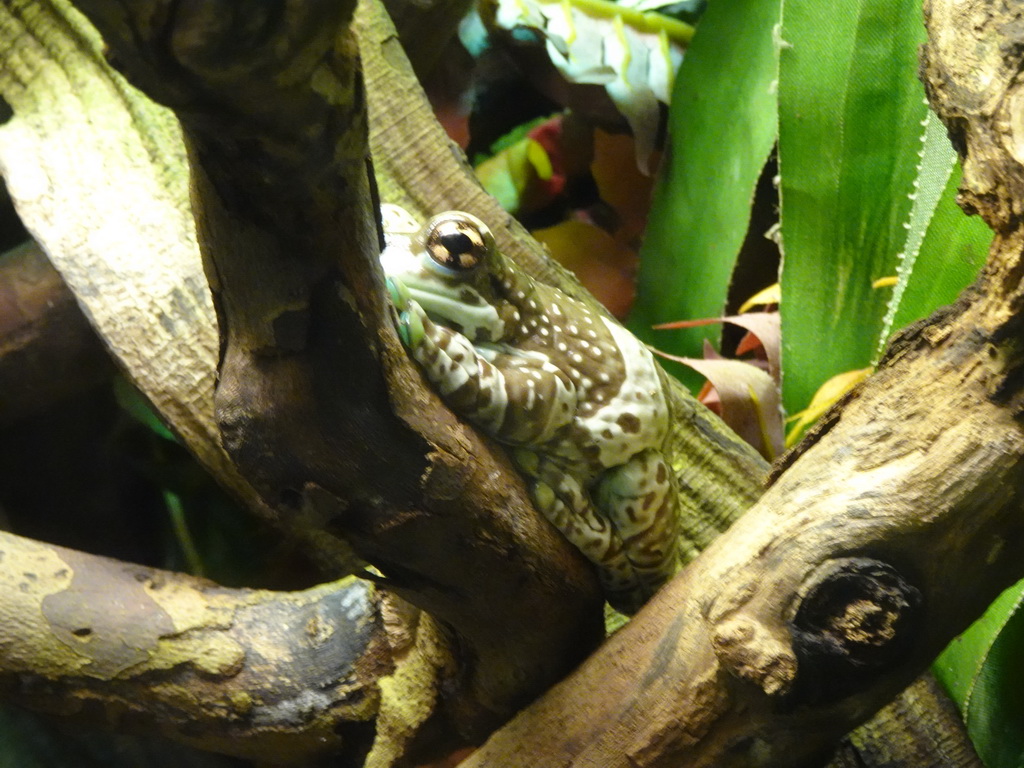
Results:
<point x="639" y="500"/>
<point x="515" y="398"/>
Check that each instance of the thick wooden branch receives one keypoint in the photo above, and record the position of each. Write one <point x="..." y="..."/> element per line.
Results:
<point x="921" y="727"/>
<point x="267" y="675"/>
<point x="969" y="68"/>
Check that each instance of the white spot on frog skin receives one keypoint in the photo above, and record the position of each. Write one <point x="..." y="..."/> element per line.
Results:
<point x="448" y="381"/>
<point x="556" y="310"/>
<point x="639" y="395"/>
<point x="561" y="346"/>
<point x="479" y="321"/>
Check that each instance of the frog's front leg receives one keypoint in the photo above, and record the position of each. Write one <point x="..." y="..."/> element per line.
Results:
<point x="639" y="499"/>
<point x="516" y="398"/>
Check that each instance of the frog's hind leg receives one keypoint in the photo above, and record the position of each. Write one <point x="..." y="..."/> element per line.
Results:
<point x="566" y="504"/>
<point x="639" y="500"/>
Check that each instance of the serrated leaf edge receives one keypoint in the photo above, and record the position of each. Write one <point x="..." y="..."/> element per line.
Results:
<point x="936" y="164"/>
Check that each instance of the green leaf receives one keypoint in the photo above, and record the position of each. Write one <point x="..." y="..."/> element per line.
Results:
<point x="850" y="112"/>
<point x="983" y="670"/>
<point x="135" y="404"/>
<point x="945" y="248"/>
<point x="722" y="126"/>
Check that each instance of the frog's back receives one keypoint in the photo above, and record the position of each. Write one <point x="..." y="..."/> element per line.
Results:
<point x="621" y="407"/>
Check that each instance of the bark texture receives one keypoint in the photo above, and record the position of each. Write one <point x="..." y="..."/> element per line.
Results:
<point x="267" y="675"/>
<point x="921" y="727"/>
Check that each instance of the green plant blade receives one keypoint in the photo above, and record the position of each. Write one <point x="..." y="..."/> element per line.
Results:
<point x="722" y="126"/>
<point x="850" y="112"/>
<point x="944" y="249"/>
<point x="983" y="670"/>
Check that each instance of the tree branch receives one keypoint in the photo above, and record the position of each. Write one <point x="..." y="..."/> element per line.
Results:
<point x="266" y="675"/>
<point x="920" y="727"/>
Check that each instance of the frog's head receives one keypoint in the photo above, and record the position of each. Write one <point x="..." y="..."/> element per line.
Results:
<point x="453" y="269"/>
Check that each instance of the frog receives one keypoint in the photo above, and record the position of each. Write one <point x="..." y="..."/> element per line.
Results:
<point x="578" y="402"/>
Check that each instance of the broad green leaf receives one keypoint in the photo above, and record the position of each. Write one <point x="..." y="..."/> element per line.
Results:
<point x="944" y="248"/>
<point x="850" y="112"/>
<point x="722" y="126"/>
<point x="983" y="670"/>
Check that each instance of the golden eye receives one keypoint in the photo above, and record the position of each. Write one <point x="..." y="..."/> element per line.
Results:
<point x="457" y="241"/>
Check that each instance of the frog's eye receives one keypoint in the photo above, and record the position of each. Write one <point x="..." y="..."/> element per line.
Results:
<point x="457" y="241"/>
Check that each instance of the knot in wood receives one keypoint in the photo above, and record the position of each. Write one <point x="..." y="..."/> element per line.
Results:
<point x="858" y="617"/>
<point x="748" y="651"/>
